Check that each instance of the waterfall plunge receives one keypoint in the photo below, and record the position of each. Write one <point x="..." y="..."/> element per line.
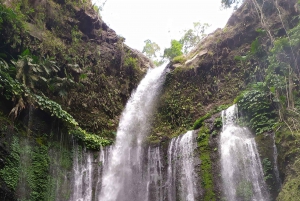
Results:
<point x="130" y="172"/>
<point x="242" y="172"/>
<point x="124" y="178"/>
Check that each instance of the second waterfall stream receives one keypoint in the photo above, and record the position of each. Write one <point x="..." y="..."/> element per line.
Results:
<point x="242" y="172"/>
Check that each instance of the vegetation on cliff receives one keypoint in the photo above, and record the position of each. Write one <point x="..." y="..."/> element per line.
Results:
<point x="60" y="64"/>
<point x="253" y="62"/>
<point x="62" y="58"/>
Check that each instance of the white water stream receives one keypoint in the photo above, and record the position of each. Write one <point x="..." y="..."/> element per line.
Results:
<point x="131" y="172"/>
<point x="182" y="179"/>
<point x="82" y="189"/>
<point x="87" y="173"/>
<point x="125" y="178"/>
<point x="242" y="171"/>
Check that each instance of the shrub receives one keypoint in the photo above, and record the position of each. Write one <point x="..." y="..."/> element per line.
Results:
<point x="179" y="59"/>
<point x="218" y="123"/>
<point x="199" y="122"/>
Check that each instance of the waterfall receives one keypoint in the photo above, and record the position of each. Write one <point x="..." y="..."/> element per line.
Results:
<point x="125" y="178"/>
<point x="103" y="164"/>
<point x="155" y="175"/>
<point x="182" y="179"/>
<point x="162" y="180"/>
<point x="82" y="189"/>
<point x="242" y="172"/>
<point x="87" y="172"/>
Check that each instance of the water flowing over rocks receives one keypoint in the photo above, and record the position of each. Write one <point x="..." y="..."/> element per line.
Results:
<point x="242" y="172"/>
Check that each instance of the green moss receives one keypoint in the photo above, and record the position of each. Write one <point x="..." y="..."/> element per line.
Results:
<point x="199" y="122"/>
<point x="11" y="170"/>
<point x="39" y="173"/>
<point x="289" y="163"/>
<point x="206" y="165"/>
<point x="61" y="163"/>
<point x="291" y="189"/>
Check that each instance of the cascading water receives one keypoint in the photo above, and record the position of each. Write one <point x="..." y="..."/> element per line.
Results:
<point x="103" y="163"/>
<point x="182" y="179"/>
<point x="242" y="171"/>
<point x="82" y="189"/>
<point x="87" y="173"/>
<point x="155" y="175"/>
<point x="163" y="180"/>
<point x="125" y="177"/>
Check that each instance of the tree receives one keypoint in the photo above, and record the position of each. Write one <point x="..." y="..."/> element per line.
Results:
<point x="174" y="51"/>
<point x="230" y="3"/>
<point x="150" y="48"/>
<point x="193" y="36"/>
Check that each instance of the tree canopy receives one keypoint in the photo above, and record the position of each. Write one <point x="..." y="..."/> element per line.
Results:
<point x="174" y="51"/>
<point x="189" y="40"/>
<point x="193" y="36"/>
<point x="230" y="3"/>
<point x="150" y="48"/>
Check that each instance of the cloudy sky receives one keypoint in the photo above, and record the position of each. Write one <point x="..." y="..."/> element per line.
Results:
<point x="160" y="20"/>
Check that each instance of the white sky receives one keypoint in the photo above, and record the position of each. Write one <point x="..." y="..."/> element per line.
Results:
<point x="160" y="20"/>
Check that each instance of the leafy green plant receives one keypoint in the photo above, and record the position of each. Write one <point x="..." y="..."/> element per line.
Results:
<point x="214" y="133"/>
<point x="29" y="70"/>
<point x="267" y="168"/>
<point x="54" y="108"/>
<point x="258" y="110"/>
<point x="179" y="59"/>
<point x="192" y="37"/>
<point x="39" y="173"/>
<point x="91" y="141"/>
<point x="11" y="170"/>
<point x="174" y="51"/>
<point x="12" y="24"/>
<point x="130" y="62"/>
<point x="218" y="123"/>
<point x="14" y="90"/>
<point x="199" y="122"/>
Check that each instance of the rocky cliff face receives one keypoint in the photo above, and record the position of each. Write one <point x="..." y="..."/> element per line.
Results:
<point x="84" y="47"/>
<point x="223" y="64"/>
